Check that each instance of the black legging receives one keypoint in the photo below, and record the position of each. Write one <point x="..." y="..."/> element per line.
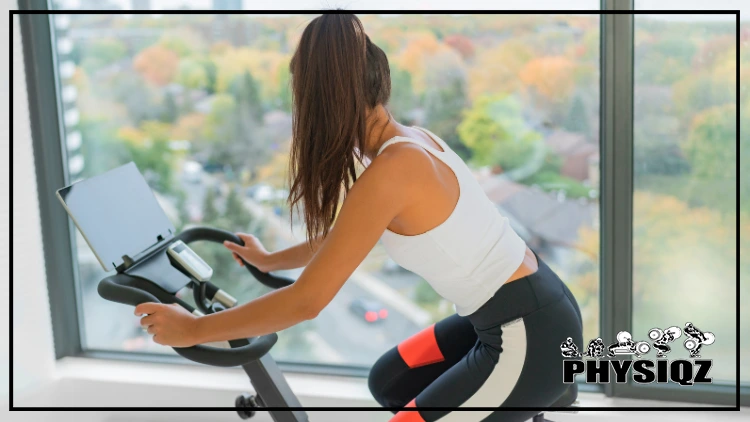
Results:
<point x="506" y="354"/>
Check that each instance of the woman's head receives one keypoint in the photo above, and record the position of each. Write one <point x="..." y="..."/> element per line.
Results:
<point x="338" y="78"/>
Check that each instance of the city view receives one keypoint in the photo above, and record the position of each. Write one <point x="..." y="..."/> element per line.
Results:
<point x="202" y="105"/>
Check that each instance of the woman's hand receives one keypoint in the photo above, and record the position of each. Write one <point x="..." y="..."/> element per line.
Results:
<point x="253" y="252"/>
<point x="171" y="325"/>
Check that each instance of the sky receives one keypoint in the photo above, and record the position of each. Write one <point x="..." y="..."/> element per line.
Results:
<point x="742" y="5"/>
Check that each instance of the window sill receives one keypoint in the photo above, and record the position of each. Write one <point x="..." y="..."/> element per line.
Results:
<point x="106" y="383"/>
<point x="208" y="378"/>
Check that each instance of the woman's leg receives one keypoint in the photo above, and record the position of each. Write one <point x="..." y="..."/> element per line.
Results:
<point x="515" y="363"/>
<point x="405" y="370"/>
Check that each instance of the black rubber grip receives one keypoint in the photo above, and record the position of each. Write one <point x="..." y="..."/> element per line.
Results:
<point x="130" y="290"/>
<point x="219" y="236"/>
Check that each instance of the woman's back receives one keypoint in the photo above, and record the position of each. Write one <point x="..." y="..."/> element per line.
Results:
<point x="468" y="256"/>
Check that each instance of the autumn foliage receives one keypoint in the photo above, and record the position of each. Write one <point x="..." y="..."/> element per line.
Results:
<point x="551" y="76"/>
<point x="157" y="64"/>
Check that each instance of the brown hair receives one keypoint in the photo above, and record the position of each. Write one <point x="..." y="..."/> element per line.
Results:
<point x="337" y="74"/>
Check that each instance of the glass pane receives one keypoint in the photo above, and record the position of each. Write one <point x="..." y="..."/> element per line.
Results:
<point x="201" y="103"/>
<point x="685" y="209"/>
<point x="328" y="4"/>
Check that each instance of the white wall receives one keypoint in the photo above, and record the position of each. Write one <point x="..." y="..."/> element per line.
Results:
<point x="33" y="355"/>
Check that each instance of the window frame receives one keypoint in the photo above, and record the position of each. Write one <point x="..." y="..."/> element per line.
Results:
<point x="616" y="200"/>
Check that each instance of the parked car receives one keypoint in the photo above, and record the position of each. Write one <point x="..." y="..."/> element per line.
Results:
<point x="368" y="309"/>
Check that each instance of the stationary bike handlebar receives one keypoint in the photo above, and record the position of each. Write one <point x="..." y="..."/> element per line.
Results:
<point x="219" y="236"/>
<point x="132" y="290"/>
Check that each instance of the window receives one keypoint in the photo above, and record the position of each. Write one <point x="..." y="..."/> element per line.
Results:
<point x="201" y="104"/>
<point x="685" y="178"/>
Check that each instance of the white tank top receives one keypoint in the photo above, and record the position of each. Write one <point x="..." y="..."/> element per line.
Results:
<point x="472" y="253"/>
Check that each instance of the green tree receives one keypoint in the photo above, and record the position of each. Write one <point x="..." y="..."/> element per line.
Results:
<point x="698" y="92"/>
<point x="247" y="95"/>
<point x="100" y="147"/>
<point x="211" y="74"/>
<point x="171" y="111"/>
<point x="403" y="100"/>
<point x="234" y="128"/>
<point x="496" y="132"/>
<point x="285" y="89"/>
<point x="577" y="120"/>
<point x="192" y="74"/>
<point x="235" y="211"/>
<point x="711" y="145"/>
<point x="148" y="147"/>
<point x="210" y="212"/>
<point x="103" y="52"/>
<point x="139" y="98"/>
<point x="445" y="105"/>
<point x="711" y="148"/>
<point x="182" y="210"/>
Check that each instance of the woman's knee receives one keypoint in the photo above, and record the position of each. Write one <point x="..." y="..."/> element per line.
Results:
<point x="381" y="377"/>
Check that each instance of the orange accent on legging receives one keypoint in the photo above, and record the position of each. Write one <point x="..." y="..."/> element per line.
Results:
<point x="421" y="349"/>
<point x="408" y="416"/>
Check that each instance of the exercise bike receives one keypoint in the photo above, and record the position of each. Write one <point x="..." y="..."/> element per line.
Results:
<point x="153" y="263"/>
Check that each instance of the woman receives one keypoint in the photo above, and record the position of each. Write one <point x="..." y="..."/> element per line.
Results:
<point x="501" y="348"/>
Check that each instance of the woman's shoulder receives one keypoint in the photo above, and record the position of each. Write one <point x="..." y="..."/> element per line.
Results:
<point x="406" y="157"/>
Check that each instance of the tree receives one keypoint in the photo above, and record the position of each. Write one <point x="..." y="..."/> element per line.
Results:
<point x="403" y="100"/>
<point x="462" y="44"/>
<point x="100" y="147"/>
<point x="183" y="41"/>
<point x="170" y="108"/>
<point x="182" y="210"/>
<point x="210" y="212"/>
<point x="261" y="64"/>
<point x="103" y="52"/>
<point x="496" y="132"/>
<point x="285" y="88"/>
<point x="711" y="148"/>
<point x="703" y="90"/>
<point x="496" y="69"/>
<point x="711" y="145"/>
<point x="445" y="105"/>
<point x="551" y="77"/>
<point x="157" y="64"/>
<point x="236" y="137"/>
<point x="192" y="74"/>
<point x="235" y="211"/>
<point x="577" y="120"/>
<point x="414" y="56"/>
<point x="189" y="127"/>
<point x="247" y="95"/>
<point x="148" y="147"/>
<point x="138" y="97"/>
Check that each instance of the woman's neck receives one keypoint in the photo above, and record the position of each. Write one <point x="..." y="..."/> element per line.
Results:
<point x="380" y="129"/>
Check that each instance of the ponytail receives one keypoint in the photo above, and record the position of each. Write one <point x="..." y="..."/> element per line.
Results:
<point x="337" y="74"/>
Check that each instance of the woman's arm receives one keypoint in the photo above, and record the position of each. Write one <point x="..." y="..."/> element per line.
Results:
<point x="377" y="197"/>
<point x="296" y="256"/>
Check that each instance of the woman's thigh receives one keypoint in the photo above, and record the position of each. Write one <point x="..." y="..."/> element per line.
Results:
<point x="516" y="364"/>
<point x="405" y="370"/>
